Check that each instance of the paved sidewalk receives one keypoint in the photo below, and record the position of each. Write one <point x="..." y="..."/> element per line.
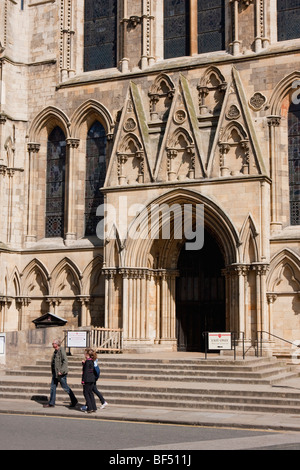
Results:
<point x="280" y="422"/>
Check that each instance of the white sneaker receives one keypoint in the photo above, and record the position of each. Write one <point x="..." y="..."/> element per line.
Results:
<point x="103" y="406"/>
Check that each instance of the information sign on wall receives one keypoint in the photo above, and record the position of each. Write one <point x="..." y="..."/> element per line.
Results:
<point x="77" y="339"/>
<point x="2" y="344"/>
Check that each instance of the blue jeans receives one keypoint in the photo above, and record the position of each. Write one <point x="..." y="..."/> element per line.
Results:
<point x="63" y="382"/>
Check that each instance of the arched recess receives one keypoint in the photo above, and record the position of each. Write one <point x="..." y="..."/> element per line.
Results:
<point x="211" y="88"/>
<point x="89" y="114"/>
<point x="14" y="284"/>
<point x="161" y="94"/>
<point x="287" y="86"/>
<point x="249" y="239"/>
<point x="130" y="156"/>
<point x="93" y="291"/>
<point x="283" y="292"/>
<point x="35" y="269"/>
<point x="286" y="257"/>
<point x="9" y="309"/>
<point x="48" y="119"/>
<point x="40" y="129"/>
<point x="150" y="257"/>
<point x="234" y="150"/>
<point x="285" y="94"/>
<point x="139" y="250"/>
<point x="34" y="291"/>
<point x="66" y="276"/>
<point x="86" y="114"/>
<point x="66" y="289"/>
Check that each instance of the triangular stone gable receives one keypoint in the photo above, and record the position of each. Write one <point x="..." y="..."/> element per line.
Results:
<point x="130" y="162"/>
<point x="235" y="151"/>
<point x="180" y="156"/>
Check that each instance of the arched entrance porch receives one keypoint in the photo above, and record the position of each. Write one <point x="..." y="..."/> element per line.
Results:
<point x="141" y="280"/>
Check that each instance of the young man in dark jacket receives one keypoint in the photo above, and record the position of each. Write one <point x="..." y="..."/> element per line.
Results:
<point x="59" y="367"/>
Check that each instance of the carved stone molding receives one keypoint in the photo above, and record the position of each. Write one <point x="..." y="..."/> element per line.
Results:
<point x="274" y="121"/>
<point x="257" y="101"/>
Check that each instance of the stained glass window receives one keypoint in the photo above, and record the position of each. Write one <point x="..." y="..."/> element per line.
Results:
<point x="95" y="175"/>
<point x="294" y="162"/>
<point x="176" y="28"/>
<point x="211" y="25"/>
<point x="288" y="19"/>
<point x="100" y="34"/>
<point x="55" y="183"/>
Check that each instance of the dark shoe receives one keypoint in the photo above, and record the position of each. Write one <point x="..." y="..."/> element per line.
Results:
<point x="48" y="406"/>
<point x="73" y="405"/>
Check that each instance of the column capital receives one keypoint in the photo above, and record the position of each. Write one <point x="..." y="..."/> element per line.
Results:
<point x="273" y="121"/>
<point x="33" y="147"/>
<point x="72" y="142"/>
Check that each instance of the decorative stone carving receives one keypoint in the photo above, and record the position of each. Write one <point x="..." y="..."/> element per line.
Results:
<point x="180" y="116"/>
<point x="233" y="112"/>
<point x="212" y="83"/>
<point x="130" y="125"/>
<point x="160" y="95"/>
<point x="257" y="101"/>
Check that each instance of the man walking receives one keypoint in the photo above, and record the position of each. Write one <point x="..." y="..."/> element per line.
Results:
<point x="59" y="367"/>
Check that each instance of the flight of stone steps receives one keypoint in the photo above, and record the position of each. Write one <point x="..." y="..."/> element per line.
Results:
<point x="219" y="384"/>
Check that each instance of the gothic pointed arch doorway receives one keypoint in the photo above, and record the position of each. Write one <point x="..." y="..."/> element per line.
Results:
<point x="200" y="295"/>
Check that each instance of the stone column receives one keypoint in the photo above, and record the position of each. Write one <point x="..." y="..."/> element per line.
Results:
<point x="158" y="308"/>
<point x="33" y="149"/>
<point x="85" y="317"/>
<point x="171" y="154"/>
<point x="261" y="302"/>
<point x="22" y="303"/>
<point x="54" y="302"/>
<point x="147" y="35"/>
<point x="124" y="273"/>
<point x="122" y="159"/>
<point x="235" y="26"/>
<point x="193" y="27"/>
<point x="124" y="22"/>
<point x="271" y="297"/>
<point x="72" y="146"/>
<point x="273" y="123"/>
<point x="109" y="296"/>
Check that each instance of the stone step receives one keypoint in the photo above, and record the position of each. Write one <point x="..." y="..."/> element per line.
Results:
<point x="152" y="393"/>
<point x="196" y="384"/>
<point x="153" y="388"/>
<point x="165" y="400"/>
<point x="264" y="370"/>
<point x="276" y="377"/>
<point x="258" y="373"/>
<point x="194" y="367"/>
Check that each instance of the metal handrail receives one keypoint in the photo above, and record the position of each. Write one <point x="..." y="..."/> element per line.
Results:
<point x="260" y="333"/>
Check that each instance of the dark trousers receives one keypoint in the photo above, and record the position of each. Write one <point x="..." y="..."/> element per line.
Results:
<point x="89" y="396"/>
<point x="99" y="394"/>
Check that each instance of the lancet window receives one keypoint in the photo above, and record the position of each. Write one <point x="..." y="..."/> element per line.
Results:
<point x="288" y="19"/>
<point x="100" y="34"/>
<point x="204" y="19"/>
<point x="176" y="28"/>
<point x="95" y="175"/>
<point x="294" y="162"/>
<point x="55" y="183"/>
<point x="211" y="23"/>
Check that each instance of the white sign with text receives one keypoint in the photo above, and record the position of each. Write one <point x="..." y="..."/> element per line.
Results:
<point x="219" y="341"/>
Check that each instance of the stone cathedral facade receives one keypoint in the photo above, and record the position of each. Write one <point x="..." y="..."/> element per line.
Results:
<point x="146" y="104"/>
